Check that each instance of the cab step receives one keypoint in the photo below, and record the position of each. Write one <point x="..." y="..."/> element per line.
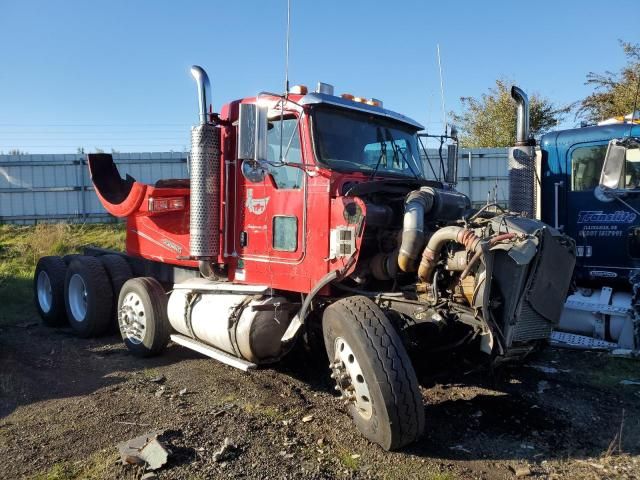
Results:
<point x="213" y="352"/>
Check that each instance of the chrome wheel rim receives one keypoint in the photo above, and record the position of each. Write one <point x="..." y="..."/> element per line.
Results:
<point x="78" y="298"/>
<point x="44" y="291"/>
<point x="350" y="379"/>
<point x="132" y="318"/>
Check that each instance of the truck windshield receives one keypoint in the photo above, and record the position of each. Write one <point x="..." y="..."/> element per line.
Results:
<point x="359" y="141"/>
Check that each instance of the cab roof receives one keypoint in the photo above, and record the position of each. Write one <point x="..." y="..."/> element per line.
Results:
<point x="589" y="134"/>
<point x="323" y="98"/>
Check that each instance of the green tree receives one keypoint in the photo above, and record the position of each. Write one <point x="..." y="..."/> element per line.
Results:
<point x="614" y="92"/>
<point x="490" y="121"/>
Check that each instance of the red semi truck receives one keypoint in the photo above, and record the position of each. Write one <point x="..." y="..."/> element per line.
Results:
<point x="308" y="211"/>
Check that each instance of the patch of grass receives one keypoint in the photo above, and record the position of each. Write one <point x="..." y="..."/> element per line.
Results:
<point x="97" y="466"/>
<point x="228" y="398"/>
<point x="413" y="469"/>
<point x="440" y="476"/>
<point x="272" y="413"/>
<point x="347" y="461"/>
<point x="149" y="373"/>
<point x="60" y="471"/>
<point x="608" y="372"/>
<point x="22" y="246"/>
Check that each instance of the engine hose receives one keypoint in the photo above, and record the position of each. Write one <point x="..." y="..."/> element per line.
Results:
<point x="471" y="263"/>
<point x="484" y="208"/>
<point x="367" y="293"/>
<point x="478" y="254"/>
<point x="467" y="238"/>
<point x="461" y="235"/>
<point x="500" y="238"/>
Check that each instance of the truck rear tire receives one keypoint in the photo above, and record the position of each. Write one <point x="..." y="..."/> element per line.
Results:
<point x="48" y="290"/>
<point x="373" y="372"/>
<point x="119" y="272"/>
<point x="142" y="316"/>
<point x="88" y="296"/>
<point x="67" y="258"/>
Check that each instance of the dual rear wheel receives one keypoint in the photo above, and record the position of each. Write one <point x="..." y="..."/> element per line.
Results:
<point x="95" y="295"/>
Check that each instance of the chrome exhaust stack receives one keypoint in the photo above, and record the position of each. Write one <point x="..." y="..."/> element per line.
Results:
<point x="204" y="93"/>
<point x="522" y="122"/>
<point x="522" y="187"/>
<point x="204" y="163"/>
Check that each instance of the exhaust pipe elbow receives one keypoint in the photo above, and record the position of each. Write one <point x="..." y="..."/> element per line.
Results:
<point x="205" y="108"/>
<point x="211" y="271"/>
<point x="522" y="122"/>
<point x="417" y="205"/>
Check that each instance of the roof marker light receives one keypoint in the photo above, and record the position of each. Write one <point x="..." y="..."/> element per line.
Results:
<point x="325" y="88"/>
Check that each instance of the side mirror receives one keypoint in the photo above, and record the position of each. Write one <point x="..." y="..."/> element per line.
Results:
<point x="451" y="176"/>
<point x="613" y="166"/>
<point x="252" y="140"/>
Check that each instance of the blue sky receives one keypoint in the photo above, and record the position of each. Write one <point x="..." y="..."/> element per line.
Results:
<point x="114" y="74"/>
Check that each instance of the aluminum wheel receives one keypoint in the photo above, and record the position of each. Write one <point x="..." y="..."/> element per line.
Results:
<point x="132" y="318"/>
<point x="45" y="292"/>
<point x="78" y="298"/>
<point x="350" y="379"/>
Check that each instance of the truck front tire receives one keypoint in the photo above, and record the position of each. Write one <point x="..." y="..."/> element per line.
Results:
<point x="373" y="372"/>
<point x="88" y="296"/>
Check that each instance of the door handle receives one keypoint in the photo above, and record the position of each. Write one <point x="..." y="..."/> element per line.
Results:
<point x="556" y="189"/>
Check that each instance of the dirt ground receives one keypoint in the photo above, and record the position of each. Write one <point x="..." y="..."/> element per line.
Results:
<point x="65" y="403"/>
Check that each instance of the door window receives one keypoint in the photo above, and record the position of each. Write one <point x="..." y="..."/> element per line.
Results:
<point x="632" y="169"/>
<point x="284" y="136"/>
<point x="285" y="233"/>
<point x="586" y="165"/>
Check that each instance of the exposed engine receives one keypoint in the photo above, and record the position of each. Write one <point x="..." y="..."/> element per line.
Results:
<point x="501" y="276"/>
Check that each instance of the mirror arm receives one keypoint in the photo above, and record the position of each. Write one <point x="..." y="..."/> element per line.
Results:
<point x="634" y="210"/>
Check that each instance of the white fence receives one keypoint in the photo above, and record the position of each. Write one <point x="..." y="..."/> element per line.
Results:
<point x="35" y="188"/>
<point x="483" y="173"/>
<point x="56" y="187"/>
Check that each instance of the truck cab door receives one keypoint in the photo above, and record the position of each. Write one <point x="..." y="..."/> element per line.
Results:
<point x="273" y="211"/>
<point x="600" y="226"/>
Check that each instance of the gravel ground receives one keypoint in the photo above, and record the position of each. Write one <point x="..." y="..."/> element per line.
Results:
<point x="65" y="404"/>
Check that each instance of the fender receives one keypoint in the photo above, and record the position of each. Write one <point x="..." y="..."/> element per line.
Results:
<point x="120" y="197"/>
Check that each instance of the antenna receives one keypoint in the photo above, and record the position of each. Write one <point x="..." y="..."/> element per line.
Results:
<point x="286" y="62"/>
<point x="444" y="114"/>
<point x="286" y="80"/>
<point x="635" y="104"/>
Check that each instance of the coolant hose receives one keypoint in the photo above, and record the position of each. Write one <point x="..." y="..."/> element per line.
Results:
<point x="467" y="238"/>
<point x="461" y="235"/>
<point x="416" y="206"/>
